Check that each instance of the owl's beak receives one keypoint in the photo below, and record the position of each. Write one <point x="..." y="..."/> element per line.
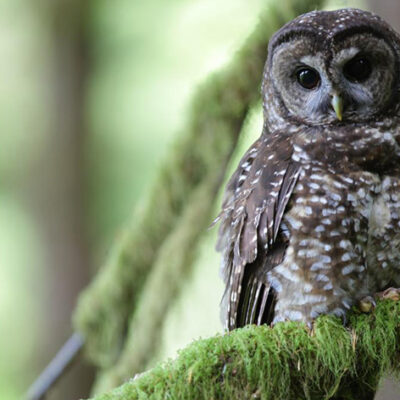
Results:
<point x="337" y="104"/>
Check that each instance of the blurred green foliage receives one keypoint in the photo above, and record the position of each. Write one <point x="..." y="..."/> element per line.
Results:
<point x="23" y="133"/>
<point x="147" y="60"/>
<point x="21" y="275"/>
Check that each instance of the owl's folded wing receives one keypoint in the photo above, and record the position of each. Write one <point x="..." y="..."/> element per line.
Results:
<point x="252" y="210"/>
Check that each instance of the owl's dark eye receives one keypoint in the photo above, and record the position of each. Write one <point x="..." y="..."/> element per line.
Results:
<point x="308" y="78"/>
<point x="357" y="70"/>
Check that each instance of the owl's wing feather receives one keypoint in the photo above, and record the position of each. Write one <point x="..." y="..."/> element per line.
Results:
<point x="252" y="211"/>
<point x="291" y="174"/>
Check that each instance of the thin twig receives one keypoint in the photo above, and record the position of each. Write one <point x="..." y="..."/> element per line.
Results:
<point x="56" y="368"/>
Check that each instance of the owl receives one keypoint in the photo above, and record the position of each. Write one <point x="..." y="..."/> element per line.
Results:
<point x="310" y="221"/>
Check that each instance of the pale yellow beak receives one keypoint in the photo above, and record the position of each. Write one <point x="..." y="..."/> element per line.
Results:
<point x="337" y="104"/>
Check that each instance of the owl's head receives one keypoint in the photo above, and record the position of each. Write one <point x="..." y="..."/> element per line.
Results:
<point x="332" y="67"/>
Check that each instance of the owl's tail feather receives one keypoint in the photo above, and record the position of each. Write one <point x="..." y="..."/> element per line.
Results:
<point x="256" y="305"/>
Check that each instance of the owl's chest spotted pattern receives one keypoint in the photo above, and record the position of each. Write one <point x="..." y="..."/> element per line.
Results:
<point x="383" y="252"/>
<point x="308" y="227"/>
<point x="343" y="233"/>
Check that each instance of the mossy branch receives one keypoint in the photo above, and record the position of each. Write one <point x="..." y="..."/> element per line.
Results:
<point x="169" y="271"/>
<point x="281" y="363"/>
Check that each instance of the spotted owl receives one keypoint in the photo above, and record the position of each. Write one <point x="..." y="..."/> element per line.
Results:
<point x="310" y="218"/>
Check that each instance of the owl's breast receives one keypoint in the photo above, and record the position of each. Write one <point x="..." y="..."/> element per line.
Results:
<point x="344" y="242"/>
<point x="372" y="148"/>
<point x="383" y="250"/>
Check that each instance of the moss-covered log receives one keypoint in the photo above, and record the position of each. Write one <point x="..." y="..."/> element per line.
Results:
<point x="286" y="362"/>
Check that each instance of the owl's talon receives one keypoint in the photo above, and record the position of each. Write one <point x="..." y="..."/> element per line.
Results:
<point x="391" y="293"/>
<point x="366" y="304"/>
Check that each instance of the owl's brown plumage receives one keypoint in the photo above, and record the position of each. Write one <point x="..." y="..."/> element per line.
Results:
<point x="310" y="221"/>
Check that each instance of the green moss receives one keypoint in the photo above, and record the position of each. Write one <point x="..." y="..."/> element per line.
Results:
<point x="281" y="363"/>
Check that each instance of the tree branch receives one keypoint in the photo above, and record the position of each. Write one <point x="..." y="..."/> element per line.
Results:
<point x="56" y="368"/>
<point x="280" y="363"/>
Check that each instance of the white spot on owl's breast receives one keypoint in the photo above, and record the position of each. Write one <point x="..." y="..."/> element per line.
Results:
<point x="379" y="217"/>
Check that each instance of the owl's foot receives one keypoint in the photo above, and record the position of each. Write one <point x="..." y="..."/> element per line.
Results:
<point x="366" y="304"/>
<point x="391" y="293"/>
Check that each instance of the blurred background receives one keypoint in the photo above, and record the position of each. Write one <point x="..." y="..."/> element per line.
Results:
<point x="92" y="94"/>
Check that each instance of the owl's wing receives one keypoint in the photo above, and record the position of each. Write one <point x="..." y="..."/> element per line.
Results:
<point x="255" y="200"/>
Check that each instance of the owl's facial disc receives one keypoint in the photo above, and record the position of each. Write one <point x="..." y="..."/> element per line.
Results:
<point x="345" y="81"/>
